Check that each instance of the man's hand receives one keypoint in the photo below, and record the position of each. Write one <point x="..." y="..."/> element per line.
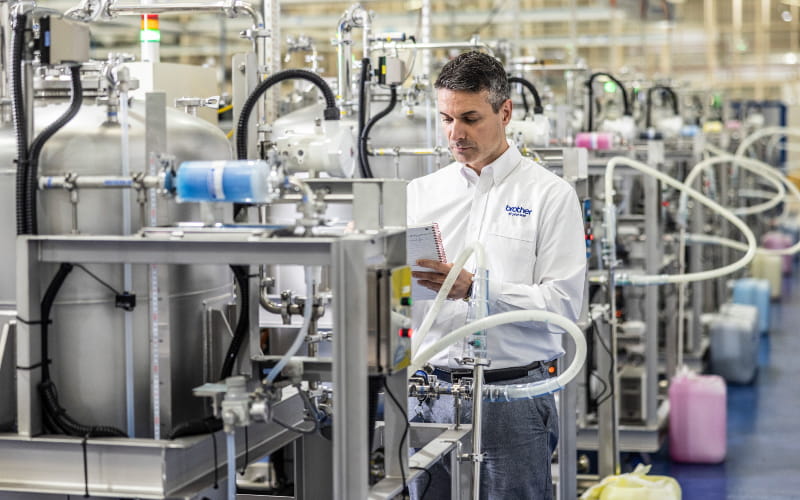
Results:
<point x="433" y="279"/>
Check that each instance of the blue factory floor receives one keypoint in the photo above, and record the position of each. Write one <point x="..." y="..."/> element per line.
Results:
<point x="763" y="456"/>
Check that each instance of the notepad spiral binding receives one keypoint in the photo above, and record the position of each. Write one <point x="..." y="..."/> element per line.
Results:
<point x="437" y="237"/>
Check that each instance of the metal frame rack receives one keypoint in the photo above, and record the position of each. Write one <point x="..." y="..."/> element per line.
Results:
<point x="178" y="469"/>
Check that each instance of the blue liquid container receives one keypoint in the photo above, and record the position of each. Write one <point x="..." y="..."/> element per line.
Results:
<point x="232" y="181"/>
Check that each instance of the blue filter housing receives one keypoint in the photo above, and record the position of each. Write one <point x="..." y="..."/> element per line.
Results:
<point x="233" y="181"/>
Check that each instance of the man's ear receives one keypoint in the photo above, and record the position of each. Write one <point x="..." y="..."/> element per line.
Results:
<point x="505" y="110"/>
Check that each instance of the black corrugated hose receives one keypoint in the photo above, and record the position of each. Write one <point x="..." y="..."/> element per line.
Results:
<point x="666" y="89"/>
<point x="242" y="325"/>
<point x="18" y="112"/>
<point x="374" y="387"/>
<point x="38" y="144"/>
<point x="363" y="164"/>
<point x="625" y="103"/>
<point x="208" y="425"/>
<point x="537" y="101"/>
<point x="56" y="417"/>
<point x="331" y="111"/>
<point x="195" y="427"/>
<point x="363" y="152"/>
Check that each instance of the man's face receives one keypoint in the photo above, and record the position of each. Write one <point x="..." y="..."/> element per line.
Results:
<point x="475" y="133"/>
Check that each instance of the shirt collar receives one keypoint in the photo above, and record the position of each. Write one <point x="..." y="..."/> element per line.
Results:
<point x="498" y="169"/>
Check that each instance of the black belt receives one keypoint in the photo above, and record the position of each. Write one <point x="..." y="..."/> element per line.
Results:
<point x="489" y="376"/>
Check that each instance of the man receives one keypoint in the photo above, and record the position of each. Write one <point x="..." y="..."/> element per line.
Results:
<point x="530" y="224"/>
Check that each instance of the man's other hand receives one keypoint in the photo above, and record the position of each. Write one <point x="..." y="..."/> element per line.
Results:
<point x="433" y="279"/>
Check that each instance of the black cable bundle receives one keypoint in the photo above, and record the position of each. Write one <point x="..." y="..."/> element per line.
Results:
<point x="38" y="144"/>
<point x="210" y="425"/>
<point x="242" y="325"/>
<point x="363" y="164"/>
<point x="375" y="386"/>
<point x="363" y="152"/>
<point x="18" y="112"/>
<point x="206" y="425"/>
<point x="56" y="418"/>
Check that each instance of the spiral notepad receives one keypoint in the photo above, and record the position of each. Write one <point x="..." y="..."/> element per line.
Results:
<point x="423" y="242"/>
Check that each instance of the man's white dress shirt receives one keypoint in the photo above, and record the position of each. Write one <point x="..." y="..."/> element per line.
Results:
<point x="530" y="223"/>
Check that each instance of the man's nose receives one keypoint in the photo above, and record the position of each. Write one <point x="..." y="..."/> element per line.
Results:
<point x="457" y="130"/>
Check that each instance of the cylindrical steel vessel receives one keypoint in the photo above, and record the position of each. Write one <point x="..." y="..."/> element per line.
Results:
<point x="87" y="335"/>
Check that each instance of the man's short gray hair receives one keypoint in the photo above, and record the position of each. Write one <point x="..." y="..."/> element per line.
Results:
<point x="476" y="72"/>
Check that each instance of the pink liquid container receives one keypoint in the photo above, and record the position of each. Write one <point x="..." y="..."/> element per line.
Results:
<point x="776" y="240"/>
<point x="594" y="140"/>
<point x="697" y="418"/>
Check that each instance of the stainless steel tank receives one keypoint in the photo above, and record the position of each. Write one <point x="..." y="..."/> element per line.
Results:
<point x="87" y="335"/>
<point x="404" y="127"/>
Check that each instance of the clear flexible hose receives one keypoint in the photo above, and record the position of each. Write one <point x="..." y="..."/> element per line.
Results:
<point x="792" y="188"/>
<point x="230" y="446"/>
<point x="716" y="207"/>
<point x="301" y="335"/>
<point x="458" y="265"/>
<point x="519" y="391"/>
<point x="770" y="174"/>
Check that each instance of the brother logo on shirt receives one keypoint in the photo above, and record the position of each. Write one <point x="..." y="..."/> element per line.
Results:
<point x="518" y="211"/>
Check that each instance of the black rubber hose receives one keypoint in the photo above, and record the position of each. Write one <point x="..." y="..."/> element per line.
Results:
<point x="331" y="111"/>
<point x="44" y="313"/>
<point x="672" y="96"/>
<point x="56" y="416"/>
<point x="38" y="144"/>
<point x="375" y="386"/>
<point x="625" y="103"/>
<point x="364" y="137"/>
<point x="537" y="101"/>
<point x="196" y="427"/>
<point x="362" y="114"/>
<point x="18" y="112"/>
<point x="242" y="325"/>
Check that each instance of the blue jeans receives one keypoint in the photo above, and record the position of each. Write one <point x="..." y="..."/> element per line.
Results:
<point x="518" y="442"/>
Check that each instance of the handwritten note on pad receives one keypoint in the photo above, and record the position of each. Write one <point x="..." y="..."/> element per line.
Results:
<point x="423" y="242"/>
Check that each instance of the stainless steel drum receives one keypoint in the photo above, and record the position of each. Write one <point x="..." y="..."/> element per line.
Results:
<point x="87" y="335"/>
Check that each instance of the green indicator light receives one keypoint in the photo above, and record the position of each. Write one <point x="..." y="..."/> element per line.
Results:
<point x="610" y="87"/>
<point x="150" y="36"/>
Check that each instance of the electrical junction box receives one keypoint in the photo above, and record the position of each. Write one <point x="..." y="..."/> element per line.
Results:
<point x="632" y="394"/>
<point x="62" y="41"/>
<point x="389" y="319"/>
<point x="394" y="71"/>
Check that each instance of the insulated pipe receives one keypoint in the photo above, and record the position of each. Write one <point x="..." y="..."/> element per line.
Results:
<point x="473" y="44"/>
<point x="435" y="151"/>
<point x="666" y="179"/>
<point x="228" y="7"/>
<point x="344" y="51"/>
<point x="666" y="89"/>
<point x="74" y="181"/>
<point x="499" y="393"/>
<point x="301" y="334"/>
<point x="590" y="82"/>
